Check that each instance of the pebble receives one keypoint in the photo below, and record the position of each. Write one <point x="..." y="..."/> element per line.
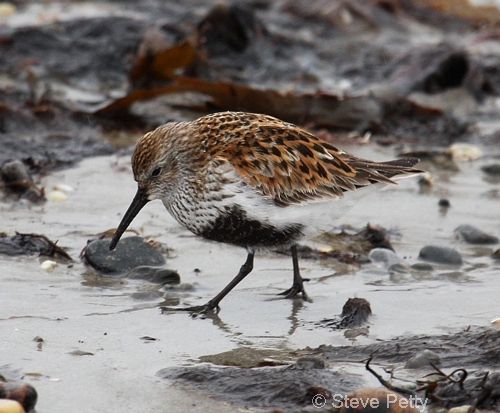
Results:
<point x="473" y="235"/>
<point x="309" y="363"/>
<point x="155" y="275"/>
<point x="385" y="256"/>
<point x="56" y="196"/>
<point x="496" y="255"/>
<point x="48" y="265"/>
<point x="465" y="151"/>
<point x="23" y="393"/>
<point x="64" y="188"/>
<point x="10" y="406"/>
<point x="16" y="176"/>
<point x="440" y="255"/>
<point x="15" y="173"/>
<point x="492" y="169"/>
<point x="422" y="266"/>
<point x="426" y="180"/>
<point x="423" y="359"/>
<point x="130" y="253"/>
<point x="444" y="203"/>
<point x="7" y="9"/>
<point x="400" y="269"/>
<point x="463" y="409"/>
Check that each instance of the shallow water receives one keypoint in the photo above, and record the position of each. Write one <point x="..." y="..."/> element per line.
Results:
<point x="73" y="309"/>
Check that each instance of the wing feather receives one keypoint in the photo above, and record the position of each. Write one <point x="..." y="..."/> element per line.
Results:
<point x="288" y="163"/>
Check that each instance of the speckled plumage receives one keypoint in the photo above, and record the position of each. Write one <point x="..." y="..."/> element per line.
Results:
<point x="251" y="180"/>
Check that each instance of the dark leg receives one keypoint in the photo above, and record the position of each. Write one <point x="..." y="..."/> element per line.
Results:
<point x="298" y="282"/>
<point x="213" y="304"/>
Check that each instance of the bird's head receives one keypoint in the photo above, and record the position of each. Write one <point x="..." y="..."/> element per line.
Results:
<point x="156" y="163"/>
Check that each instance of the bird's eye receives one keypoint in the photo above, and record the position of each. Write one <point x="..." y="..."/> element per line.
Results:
<point x="156" y="172"/>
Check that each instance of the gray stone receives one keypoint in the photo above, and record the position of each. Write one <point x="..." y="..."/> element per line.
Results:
<point x="130" y="253"/>
<point x="388" y="257"/>
<point x="155" y="275"/>
<point x="444" y="203"/>
<point x="309" y="362"/>
<point x="16" y="173"/>
<point x="423" y="359"/>
<point x="473" y="235"/>
<point x="18" y="180"/>
<point x="440" y="255"/>
<point x="492" y="169"/>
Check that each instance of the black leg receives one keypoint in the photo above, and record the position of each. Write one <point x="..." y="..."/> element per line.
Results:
<point x="213" y="304"/>
<point x="298" y="282"/>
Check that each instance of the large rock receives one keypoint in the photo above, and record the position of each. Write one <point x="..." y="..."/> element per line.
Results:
<point x="129" y="254"/>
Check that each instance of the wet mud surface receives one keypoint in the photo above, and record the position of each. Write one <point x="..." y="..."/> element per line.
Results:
<point x="80" y="82"/>
<point x="293" y="385"/>
<point x="474" y="349"/>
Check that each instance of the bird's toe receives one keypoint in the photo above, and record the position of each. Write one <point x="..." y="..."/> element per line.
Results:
<point x="294" y="291"/>
<point x="195" y="311"/>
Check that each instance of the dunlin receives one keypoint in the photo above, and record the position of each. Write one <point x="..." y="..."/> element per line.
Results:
<point x="251" y="180"/>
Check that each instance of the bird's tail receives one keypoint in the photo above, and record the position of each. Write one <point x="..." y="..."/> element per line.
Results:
<point x="398" y="168"/>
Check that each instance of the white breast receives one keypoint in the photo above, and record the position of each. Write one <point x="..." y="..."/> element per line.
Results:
<point x="224" y="189"/>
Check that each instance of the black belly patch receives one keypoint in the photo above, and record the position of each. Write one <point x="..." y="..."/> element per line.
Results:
<point x="235" y="227"/>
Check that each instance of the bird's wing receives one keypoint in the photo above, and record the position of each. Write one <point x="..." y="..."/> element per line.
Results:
<point x="293" y="166"/>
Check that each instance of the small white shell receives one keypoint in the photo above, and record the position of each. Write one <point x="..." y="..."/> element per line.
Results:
<point x="460" y="409"/>
<point x="465" y="151"/>
<point x="6" y="9"/>
<point x="325" y="250"/>
<point x="56" y="196"/>
<point x="64" y="188"/>
<point x="48" y="265"/>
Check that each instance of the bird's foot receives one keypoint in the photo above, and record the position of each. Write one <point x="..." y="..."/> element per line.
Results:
<point x="196" y="310"/>
<point x="295" y="289"/>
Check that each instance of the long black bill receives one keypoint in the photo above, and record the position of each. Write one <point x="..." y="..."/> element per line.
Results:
<point x="140" y="199"/>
